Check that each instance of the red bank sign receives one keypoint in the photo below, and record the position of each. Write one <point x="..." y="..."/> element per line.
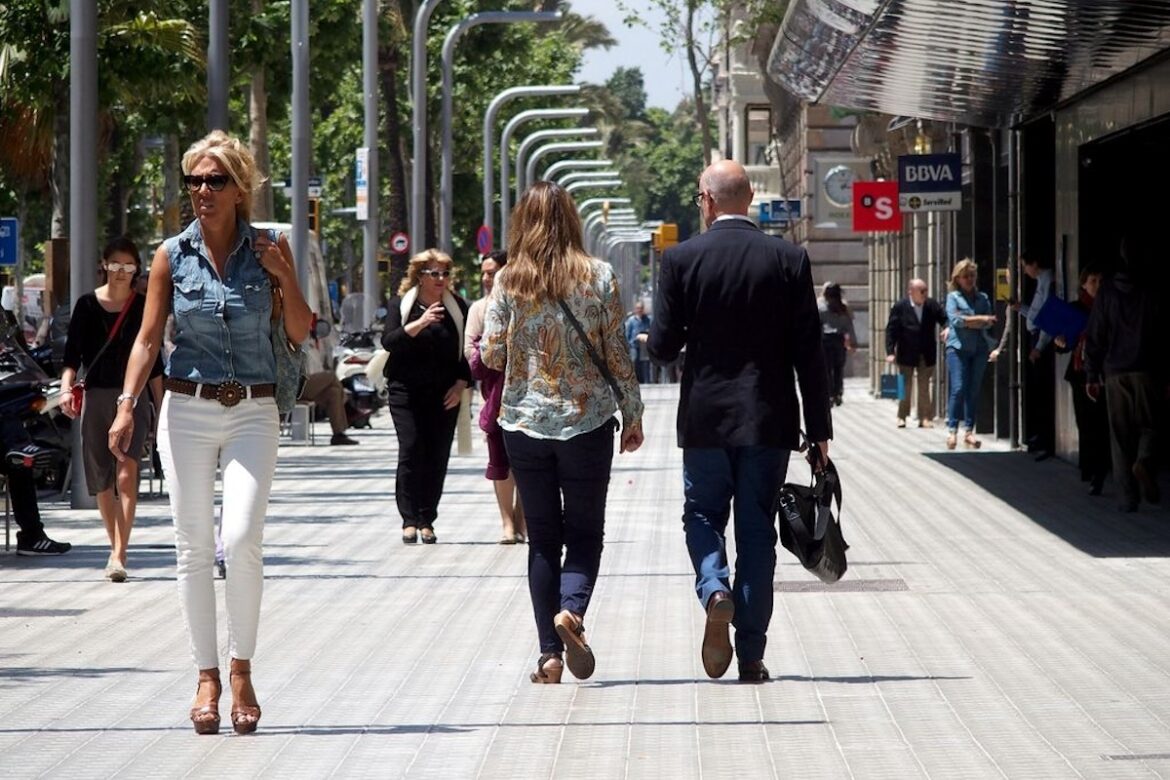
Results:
<point x="875" y="207"/>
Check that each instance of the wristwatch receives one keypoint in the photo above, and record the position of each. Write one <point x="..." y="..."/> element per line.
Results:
<point x="126" y="396"/>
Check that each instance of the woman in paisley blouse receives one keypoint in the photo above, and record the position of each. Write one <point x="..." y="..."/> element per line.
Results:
<point x="557" y="411"/>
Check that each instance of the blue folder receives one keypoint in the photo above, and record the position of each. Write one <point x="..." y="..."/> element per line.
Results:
<point x="1058" y="317"/>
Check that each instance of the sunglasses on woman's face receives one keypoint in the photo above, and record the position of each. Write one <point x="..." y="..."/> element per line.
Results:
<point x="126" y="268"/>
<point x="216" y="182"/>
<point x="434" y="273"/>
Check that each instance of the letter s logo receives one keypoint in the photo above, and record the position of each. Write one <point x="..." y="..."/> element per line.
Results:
<point x="883" y="208"/>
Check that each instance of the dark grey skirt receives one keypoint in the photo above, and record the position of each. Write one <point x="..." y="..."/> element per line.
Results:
<point x="97" y="415"/>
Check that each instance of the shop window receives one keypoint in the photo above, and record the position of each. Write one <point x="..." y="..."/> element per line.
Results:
<point x="759" y="134"/>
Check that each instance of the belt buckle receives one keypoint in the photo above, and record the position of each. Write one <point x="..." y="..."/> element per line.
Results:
<point x="229" y="393"/>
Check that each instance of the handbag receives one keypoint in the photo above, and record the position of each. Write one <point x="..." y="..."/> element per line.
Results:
<point x="893" y="386"/>
<point x="77" y="392"/>
<point x="601" y="366"/>
<point x="290" y="360"/>
<point x="809" y="529"/>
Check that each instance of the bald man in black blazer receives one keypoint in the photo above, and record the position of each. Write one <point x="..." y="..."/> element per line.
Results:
<point x="742" y="303"/>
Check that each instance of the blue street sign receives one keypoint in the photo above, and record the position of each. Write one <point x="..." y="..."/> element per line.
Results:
<point x="779" y="212"/>
<point x="9" y="240"/>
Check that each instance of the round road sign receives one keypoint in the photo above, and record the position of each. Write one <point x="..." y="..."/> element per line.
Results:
<point x="483" y="239"/>
<point x="399" y="243"/>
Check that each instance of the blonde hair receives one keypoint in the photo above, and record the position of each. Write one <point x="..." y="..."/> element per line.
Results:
<point x="546" y="257"/>
<point x="235" y="158"/>
<point x="419" y="262"/>
<point x="961" y="267"/>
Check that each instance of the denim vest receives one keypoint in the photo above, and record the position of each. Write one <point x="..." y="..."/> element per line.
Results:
<point x="222" y="325"/>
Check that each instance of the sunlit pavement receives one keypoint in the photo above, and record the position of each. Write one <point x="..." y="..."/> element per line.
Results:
<point x="994" y="622"/>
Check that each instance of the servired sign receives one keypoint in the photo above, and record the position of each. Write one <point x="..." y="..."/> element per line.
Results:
<point x="875" y="207"/>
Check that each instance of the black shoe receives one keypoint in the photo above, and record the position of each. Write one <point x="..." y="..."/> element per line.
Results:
<point x="42" y="546"/>
<point x="753" y="671"/>
<point x="342" y="439"/>
<point x="221" y="570"/>
<point x="716" y="650"/>
<point x="1096" y="486"/>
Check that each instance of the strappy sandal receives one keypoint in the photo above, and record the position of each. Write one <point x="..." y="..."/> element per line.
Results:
<point x="578" y="655"/>
<point x="205" y="717"/>
<point x="548" y="669"/>
<point x="245" y="717"/>
<point x="409" y="534"/>
<point x="970" y="441"/>
<point x="427" y="535"/>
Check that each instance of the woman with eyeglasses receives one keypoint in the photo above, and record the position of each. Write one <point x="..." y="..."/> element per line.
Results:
<point x="969" y="343"/>
<point x="219" y="411"/>
<point x="97" y="350"/>
<point x="426" y="375"/>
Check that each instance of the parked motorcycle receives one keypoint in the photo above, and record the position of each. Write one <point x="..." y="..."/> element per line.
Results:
<point x="362" y="399"/>
<point x="33" y="433"/>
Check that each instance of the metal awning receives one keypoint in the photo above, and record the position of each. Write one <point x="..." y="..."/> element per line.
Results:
<point x="990" y="63"/>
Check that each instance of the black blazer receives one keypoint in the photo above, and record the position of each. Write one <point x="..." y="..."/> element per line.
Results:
<point x="907" y="339"/>
<point x="742" y="304"/>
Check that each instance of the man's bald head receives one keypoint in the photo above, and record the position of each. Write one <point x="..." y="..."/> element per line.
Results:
<point x="917" y="291"/>
<point x="727" y="183"/>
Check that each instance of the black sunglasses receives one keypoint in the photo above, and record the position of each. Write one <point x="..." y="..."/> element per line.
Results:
<point x="216" y="182"/>
<point x="435" y="273"/>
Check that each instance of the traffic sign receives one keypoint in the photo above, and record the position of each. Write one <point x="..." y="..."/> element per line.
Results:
<point x="399" y="243"/>
<point x="483" y="239"/>
<point x="875" y="207"/>
<point x="9" y="240"/>
<point x="314" y="187"/>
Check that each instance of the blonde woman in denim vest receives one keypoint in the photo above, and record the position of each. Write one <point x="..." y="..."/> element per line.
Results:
<point x="557" y="411"/>
<point x="219" y="410"/>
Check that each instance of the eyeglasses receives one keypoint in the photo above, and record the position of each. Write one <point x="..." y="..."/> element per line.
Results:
<point x="126" y="268"/>
<point x="698" y="198"/>
<point x="435" y="273"/>
<point x="216" y="181"/>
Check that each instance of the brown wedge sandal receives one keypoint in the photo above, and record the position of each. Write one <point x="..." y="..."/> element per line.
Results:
<point x="578" y="655"/>
<point x="205" y="717"/>
<point x="245" y="717"/>
<point x="548" y="669"/>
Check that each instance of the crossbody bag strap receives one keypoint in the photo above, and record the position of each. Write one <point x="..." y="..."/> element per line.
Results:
<point x="109" y="337"/>
<point x="601" y="366"/>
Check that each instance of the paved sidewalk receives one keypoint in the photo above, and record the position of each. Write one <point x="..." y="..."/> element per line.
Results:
<point x="994" y="622"/>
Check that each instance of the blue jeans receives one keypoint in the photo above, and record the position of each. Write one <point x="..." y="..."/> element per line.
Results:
<point x="964" y="379"/>
<point x="712" y="480"/>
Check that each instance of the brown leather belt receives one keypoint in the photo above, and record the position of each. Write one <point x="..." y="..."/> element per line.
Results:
<point x="229" y="393"/>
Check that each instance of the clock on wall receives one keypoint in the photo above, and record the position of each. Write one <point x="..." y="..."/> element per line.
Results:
<point x="839" y="185"/>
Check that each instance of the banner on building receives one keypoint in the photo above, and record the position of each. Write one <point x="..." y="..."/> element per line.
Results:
<point x="875" y="207"/>
<point x="930" y="182"/>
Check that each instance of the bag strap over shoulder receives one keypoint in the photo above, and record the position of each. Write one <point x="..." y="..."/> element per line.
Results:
<point x="113" y="334"/>
<point x="601" y="366"/>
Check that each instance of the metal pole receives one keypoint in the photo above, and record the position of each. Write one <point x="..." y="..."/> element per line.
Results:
<point x="218" y="70"/>
<point x="522" y="181"/>
<point x="504" y="140"/>
<point x="418" y="99"/>
<point x="301" y="149"/>
<point x="577" y="185"/>
<point x="572" y="164"/>
<point x="83" y="155"/>
<point x="1013" y="195"/>
<point x="371" y="284"/>
<point x="489" y="125"/>
<point x="573" y="176"/>
<point x="562" y="146"/>
<point x="589" y="203"/>
<point x="446" y="195"/>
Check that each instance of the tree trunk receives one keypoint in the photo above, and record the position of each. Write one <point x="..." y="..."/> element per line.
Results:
<point x="262" y="205"/>
<point x="172" y="192"/>
<point x="697" y="78"/>
<point x="395" y="161"/>
<point x="116" y="190"/>
<point x="59" y="181"/>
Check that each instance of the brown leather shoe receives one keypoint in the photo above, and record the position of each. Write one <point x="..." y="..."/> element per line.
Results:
<point x="578" y="655"/>
<point x="753" y="671"/>
<point x="717" y="650"/>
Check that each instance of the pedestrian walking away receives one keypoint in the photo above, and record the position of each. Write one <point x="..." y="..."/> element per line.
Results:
<point x="219" y="409"/>
<point x="912" y="345"/>
<point x="554" y="314"/>
<point x="742" y="303"/>
<point x="426" y="375"/>
<point x="491" y="385"/>
<point x="102" y="329"/>
<point x="838" y="338"/>
<point x="637" y="326"/>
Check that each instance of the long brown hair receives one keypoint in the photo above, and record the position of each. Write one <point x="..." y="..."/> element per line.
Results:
<point x="546" y="257"/>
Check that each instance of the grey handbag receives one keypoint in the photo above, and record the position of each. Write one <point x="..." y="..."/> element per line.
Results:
<point x="291" y="360"/>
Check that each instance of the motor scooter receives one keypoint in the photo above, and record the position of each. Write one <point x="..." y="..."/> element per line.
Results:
<point x="362" y="400"/>
<point x="33" y="433"/>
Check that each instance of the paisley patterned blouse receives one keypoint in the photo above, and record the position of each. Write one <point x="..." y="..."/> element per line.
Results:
<point x="552" y="389"/>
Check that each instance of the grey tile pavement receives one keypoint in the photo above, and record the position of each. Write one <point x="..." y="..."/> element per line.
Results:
<point x="995" y="622"/>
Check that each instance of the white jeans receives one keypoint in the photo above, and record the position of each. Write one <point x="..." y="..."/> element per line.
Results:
<point x="194" y="437"/>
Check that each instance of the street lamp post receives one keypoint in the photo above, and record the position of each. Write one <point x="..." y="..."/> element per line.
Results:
<point x="532" y="139"/>
<point x="418" y="99"/>
<point x="489" y="126"/>
<point x="446" y="195"/>
<point x="301" y="147"/>
<point x="603" y="184"/>
<point x="506" y="139"/>
<point x="371" y="292"/>
<point x="525" y="145"/>
<point x="589" y="203"/>
<point x="564" y="146"/>
<point x="572" y="164"/>
<point x="218" y="71"/>
<point x="573" y="176"/>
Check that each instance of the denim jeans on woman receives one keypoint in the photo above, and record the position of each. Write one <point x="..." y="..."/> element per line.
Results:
<point x="195" y="438"/>
<point x="964" y="380"/>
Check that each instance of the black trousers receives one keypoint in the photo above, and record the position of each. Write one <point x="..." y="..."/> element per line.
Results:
<point x="1092" y="432"/>
<point x="22" y="492"/>
<point x="834" y="348"/>
<point x="563" y="486"/>
<point x="425" y="430"/>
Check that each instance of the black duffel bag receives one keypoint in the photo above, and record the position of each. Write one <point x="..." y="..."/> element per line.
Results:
<point x="809" y="529"/>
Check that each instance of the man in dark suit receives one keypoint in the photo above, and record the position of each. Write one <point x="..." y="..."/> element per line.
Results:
<point x="742" y="304"/>
<point x="912" y="343"/>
